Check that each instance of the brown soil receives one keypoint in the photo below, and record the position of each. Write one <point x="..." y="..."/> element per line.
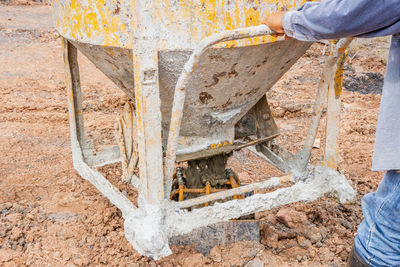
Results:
<point x="51" y="216"/>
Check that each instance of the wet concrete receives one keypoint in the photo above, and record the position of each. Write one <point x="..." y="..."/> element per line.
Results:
<point x="212" y="170"/>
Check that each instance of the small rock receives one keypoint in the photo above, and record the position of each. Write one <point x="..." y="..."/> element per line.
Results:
<point x="215" y="254"/>
<point x="268" y="258"/>
<point x="318" y="244"/>
<point x="294" y="252"/>
<point x="292" y="106"/>
<point x="78" y="262"/>
<point x="15" y="234"/>
<point x="279" y="112"/>
<point x="313" y="233"/>
<point x="41" y="218"/>
<point x="303" y="242"/>
<point x="290" y="217"/>
<point x="6" y="255"/>
<point x="256" y="262"/>
<point x="19" y="208"/>
<point x="326" y="255"/>
<point x="195" y="260"/>
<point x="265" y="215"/>
<point x="288" y="244"/>
<point x="269" y="236"/>
<point x="30" y="216"/>
<point x="339" y="249"/>
<point x="5" y="206"/>
<point x="21" y="241"/>
<point x="312" y="253"/>
<point x="345" y="223"/>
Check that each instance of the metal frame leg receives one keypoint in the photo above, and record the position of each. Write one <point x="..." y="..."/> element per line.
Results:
<point x="77" y="129"/>
<point x="142" y="226"/>
<point x="147" y="232"/>
<point x="329" y="91"/>
<point x="266" y="126"/>
<point x="100" y="158"/>
<point x="333" y="117"/>
<point x="77" y="133"/>
<point x="74" y="92"/>
<point x="148" y="104"/>
<point x="300" y="162"/>
<point x="329" y="88"/>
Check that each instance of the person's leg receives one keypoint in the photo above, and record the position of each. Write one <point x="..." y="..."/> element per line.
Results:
<point x="355" y="260"/>
<point x="378" y="236"/>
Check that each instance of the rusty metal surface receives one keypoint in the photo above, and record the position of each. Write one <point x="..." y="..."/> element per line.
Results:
<point x="114" y="62"/>
<point x="182" y="23"/>
<point x="223" y="149"/>
<point x="225" y="86"/>
<point x="183" y="82"/>
<point x="222" y="89"/>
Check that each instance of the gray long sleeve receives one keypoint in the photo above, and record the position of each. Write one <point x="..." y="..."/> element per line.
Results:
<point x="333" y="19"/>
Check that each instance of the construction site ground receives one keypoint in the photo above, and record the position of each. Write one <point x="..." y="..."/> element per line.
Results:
<point x="50" y="216"/>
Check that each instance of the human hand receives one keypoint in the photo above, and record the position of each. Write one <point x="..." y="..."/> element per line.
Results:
<point x="274" y="22"/>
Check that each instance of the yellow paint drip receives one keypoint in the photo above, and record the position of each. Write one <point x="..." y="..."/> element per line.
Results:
<point x="339" y="76"/>
<point x="183" y="23"/>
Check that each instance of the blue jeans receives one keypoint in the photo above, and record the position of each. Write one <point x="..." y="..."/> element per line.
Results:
<point x="378" y="236"/>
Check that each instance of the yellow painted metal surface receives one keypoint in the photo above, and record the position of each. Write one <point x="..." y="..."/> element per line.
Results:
<point x="333" y="118"/>
<point x="183" y="23"/>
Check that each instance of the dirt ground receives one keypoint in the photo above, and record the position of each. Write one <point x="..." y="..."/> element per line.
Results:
<point x="49" y="216"/>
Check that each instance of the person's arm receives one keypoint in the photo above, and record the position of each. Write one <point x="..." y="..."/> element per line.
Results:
<point x="333" y="19"/>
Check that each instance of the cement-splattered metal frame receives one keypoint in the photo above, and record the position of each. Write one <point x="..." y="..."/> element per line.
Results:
<point x="194" y="69"/>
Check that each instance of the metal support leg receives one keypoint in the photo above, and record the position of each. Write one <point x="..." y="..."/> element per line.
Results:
<point x="333" y="117"/>
<point x="107" y="156"/>
<point x="142" y="226"/>
<point x="265" y="122"/>
<point x="74" y="91"/>
<point x="266" y="126"/>
<point x="77" y="134"/>
<point x="147" y="232"/>
<point x="148" y="103"/>
<point x="300" y="162"/>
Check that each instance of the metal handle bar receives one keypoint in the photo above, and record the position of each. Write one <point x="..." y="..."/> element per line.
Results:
<point x="180" y="89"/>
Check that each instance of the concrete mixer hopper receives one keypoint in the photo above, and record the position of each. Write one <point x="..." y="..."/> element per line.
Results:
<point x="197" y="73"/>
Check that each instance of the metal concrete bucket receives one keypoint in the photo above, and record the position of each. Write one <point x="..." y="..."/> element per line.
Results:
<point x="198" y="72"/>
<point x="225" y="76"/>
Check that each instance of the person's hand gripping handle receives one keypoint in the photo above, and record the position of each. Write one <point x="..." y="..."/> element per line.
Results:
<point x="274" y="22"/>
